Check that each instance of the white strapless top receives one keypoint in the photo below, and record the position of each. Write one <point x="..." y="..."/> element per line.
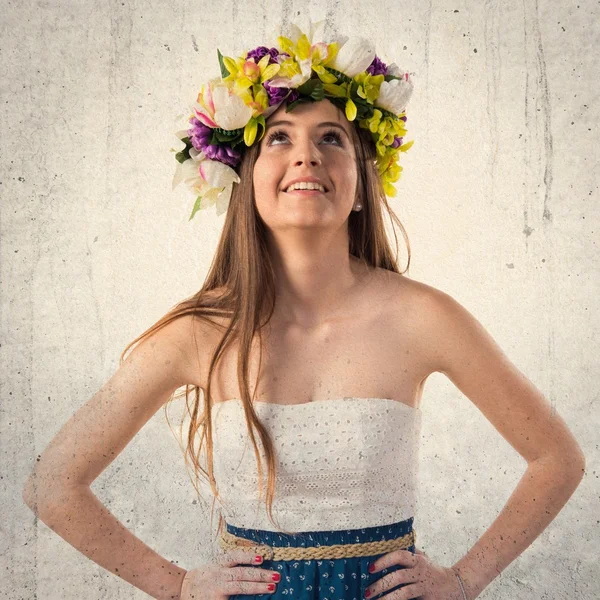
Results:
<point x="341" y="464"/>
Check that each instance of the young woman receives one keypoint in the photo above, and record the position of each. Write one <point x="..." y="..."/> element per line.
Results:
<point x="306" y="333"/>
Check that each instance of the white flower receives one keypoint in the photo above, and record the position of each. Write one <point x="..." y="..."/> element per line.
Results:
<point x="219" y="106"/>
<point x="395" y="94"/>
<point x="220" y="198"/>
<point x="211" y="179"/>
<point x="180" y="144"/>
<point x="315" y="32"/>
<point x="354" y="56"/>
<point x="393" y="69"/>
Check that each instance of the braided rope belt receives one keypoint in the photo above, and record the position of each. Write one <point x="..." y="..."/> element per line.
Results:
<point x="228" y="541"/>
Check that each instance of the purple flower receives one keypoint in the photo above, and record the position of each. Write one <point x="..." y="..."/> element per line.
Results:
<point x="200" y="135"/>
<point x="276" y="95"/>
<point x="224" y="154"/>
<point x="261" y="51"/>
<point x="279" y="94"/>
<point x="377" y="67"/>
<point x="397" y="142"/>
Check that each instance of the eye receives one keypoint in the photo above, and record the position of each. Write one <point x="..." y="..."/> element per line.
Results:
<point x="330" y="133"/>
<point x="334" y="134"/>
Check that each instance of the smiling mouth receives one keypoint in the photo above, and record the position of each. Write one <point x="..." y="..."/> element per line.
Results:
<point x="306" y="192"/>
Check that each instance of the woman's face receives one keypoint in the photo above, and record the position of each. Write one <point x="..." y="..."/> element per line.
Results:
<point x="306" y="147"/>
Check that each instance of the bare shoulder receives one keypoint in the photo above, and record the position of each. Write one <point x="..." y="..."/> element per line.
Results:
<point x="201" y="336"/>
<point x="172" y="341"/>
<point x="413" y="298"/>
<point x="431" y="319"/>
<point x="455" y="339"/>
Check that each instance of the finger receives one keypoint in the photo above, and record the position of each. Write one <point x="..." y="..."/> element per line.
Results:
<point x="415" y="590"/>
<point x="397" y="557"/>
<point x="247" y="580"/>
<point x="238" y="557"/>
<point x="230" y="560"/>
<point x="390" y="581"/>
<point x="246" y="588"/>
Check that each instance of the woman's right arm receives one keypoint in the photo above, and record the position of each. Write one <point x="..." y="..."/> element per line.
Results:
<point x="58" y="489"/>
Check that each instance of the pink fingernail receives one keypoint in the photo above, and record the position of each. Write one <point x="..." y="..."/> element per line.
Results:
<point x="371" y="568"/>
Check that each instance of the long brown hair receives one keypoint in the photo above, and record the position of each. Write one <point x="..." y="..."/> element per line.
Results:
<point x="243" y="275"/>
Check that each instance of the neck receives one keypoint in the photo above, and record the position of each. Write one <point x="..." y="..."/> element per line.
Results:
<point x="314" y="284"/>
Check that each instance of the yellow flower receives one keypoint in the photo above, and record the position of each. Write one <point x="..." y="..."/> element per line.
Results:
<point x="368" y="86"/>
<point x="390" y="174"/>
<point x="350" y="110"/>
<point x="246" y="73"/>
<point x="372" y="123"/>
<point x="258" y="100"/>
<point x="339" y="90"/>
<point x="308" y="57"/>
<point x="250" y="132"/>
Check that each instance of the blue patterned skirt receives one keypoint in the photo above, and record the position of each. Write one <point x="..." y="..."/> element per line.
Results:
<point x="315" y="579"/>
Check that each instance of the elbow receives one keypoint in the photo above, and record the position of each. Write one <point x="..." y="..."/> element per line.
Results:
<point x="31" y="495"/>
<point x="568" y="465"/>
<point x="575" y="463"/>
<point x="42" y="494"/>
<point x="571" y="466"/>
<point x="579" y="463"/>
<point x="576" y="470"/>
<point x="28" y="496"/>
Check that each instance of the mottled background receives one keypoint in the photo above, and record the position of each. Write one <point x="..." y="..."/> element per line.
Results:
<point x="499" y="196"/>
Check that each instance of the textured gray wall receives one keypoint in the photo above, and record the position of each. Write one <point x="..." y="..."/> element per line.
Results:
<point x="499" y="195"/>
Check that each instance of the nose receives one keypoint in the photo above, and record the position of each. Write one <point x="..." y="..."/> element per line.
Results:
<point x="308" y="153"/>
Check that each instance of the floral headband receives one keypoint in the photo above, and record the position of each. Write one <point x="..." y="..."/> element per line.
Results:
<point x="230" y="111"/>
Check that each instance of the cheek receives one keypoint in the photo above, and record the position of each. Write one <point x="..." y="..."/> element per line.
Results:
<point x="349" y="177"/>
<point x="265" y="176"/>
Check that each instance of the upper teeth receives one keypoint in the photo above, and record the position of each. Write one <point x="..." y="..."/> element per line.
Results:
<point x="306" y="185"/>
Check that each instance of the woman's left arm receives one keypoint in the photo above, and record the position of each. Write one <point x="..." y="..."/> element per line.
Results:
<point x="466" y="353"/>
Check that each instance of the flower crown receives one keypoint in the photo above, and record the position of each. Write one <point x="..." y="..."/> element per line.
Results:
<point x="230" y="110"/>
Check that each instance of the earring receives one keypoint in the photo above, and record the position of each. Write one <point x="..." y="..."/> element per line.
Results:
<point x="358" y="207"/>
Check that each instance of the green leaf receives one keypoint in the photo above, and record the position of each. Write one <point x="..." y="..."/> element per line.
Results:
<point x="341" y="77"/>
<point x="237" y="142"/>
<point x="224" y="71"/>
<point x="312" y="88"/>
<point x="218" y="136"/>
<point x="196" y="207"/>
<point x="308" y="86"/>
<point x="228" y="132"/>
<point x="334" y="90"/>
<point x="387" y="113"/>
<point x="318" y="93"/>
<point x="184" y="154"/>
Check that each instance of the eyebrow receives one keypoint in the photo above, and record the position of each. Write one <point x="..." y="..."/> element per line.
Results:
<point x="324" y="124"/>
